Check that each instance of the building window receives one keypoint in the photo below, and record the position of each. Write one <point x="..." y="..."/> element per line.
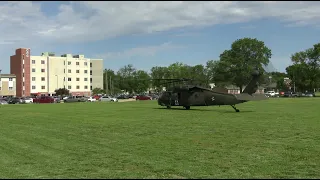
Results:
<point x="77" y="63"/>
<point x="85" y="87"/>
<point x="69" y="62"/>
<point x="85" y="63"/>
<point x="85" y="71"/>
<point x="64" y="62"/>
<point x="64" y="78"/>
<point x="23" y="66"/>
<point x="43" y="79"/>
<point x="78" y="87"/>
<point x="69" y="70"/>
<point x="23" y="56"/>
<point x="22" y="83"/>
<point x="33" y="78"/>
<point x="77" y="71"/>
<point x="43" y="87"/>
<point x="10" y="88"/>
<point x="85" y="79"/>
<point x="90" y="64"/>
<point x="33" y="61"/>
<point x="33" y="87"/>
<point x="10" y="79"/>
<point x="90" y="87"/>
<point x="42" y="61"/>
<point x="69" y="87"/>
<point x="69" y="79"/>
<point x="33" y="70"/>
<point x="22" y="74"/>
<point x="90" y="72"/>
<point x="43" y="70"/>
<point x="64" y="70"/>
<point x="0" y="88"/>
<point x="91" y="80"/>
<point x="78" y="79"/>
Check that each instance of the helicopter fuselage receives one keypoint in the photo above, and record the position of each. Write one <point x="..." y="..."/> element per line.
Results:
<point x="197" y="98"/>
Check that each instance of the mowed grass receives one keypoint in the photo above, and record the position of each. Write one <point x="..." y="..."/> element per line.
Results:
<point x="276" y="138"/>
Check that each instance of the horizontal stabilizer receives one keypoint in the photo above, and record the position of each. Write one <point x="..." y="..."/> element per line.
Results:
<point x="253" y="97"/>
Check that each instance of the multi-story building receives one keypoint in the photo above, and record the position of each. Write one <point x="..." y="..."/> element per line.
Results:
<point x="46" y="73"/>
<point x="7" y="85"/>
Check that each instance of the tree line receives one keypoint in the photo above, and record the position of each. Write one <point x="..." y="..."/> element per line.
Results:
<point x="234" y="67"/>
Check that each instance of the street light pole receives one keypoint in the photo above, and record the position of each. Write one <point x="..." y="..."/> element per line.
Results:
<point x="57" y="82"/>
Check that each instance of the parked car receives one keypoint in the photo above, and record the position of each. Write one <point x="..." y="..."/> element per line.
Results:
<point x="15" y="100"/>
<point x="91" y="99"/>
<point x="272" y="94"/>
<point x="309" y="94"/>
<point x="74" y="99"/>
<point x="154" y="96"/>
<point x="143" y="97"/>
<point x="108" y="99"/>
<point x="123" y="97"/>
<point x="43" y="99"/>
<point x="27" y="100"/>
<point x="3" y="102"/>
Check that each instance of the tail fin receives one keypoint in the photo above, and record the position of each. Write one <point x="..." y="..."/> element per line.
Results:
<point x="253" y="84"/>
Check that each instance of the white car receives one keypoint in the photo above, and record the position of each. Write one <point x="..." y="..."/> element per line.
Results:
<point x="28" y="100"/>
<point x="91" y="99"/>
<point x="108" y="99"/>
<point x="272" y="94"/>
<point x="3" y="102"/>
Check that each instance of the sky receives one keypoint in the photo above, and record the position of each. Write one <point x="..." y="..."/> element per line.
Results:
<point x="147" y="33"/>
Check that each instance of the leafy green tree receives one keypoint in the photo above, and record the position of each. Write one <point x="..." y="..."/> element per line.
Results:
<point x="96" y="91"/>
<point x="237" y="64"/>
<point x="62" y="92"/>
<point x="309" y="61"/>
<point x="141" y="81"/>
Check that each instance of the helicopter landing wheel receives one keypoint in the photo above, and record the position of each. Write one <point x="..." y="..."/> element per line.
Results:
<point x="237" y="110"/>
<point x="187" y="107"/>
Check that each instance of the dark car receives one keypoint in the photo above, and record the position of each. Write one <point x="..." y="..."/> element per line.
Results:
<point x="15" y="100"/>
<point x="122" y="97"/>
<point x="43" y="99"/>
<point x="143" y="97"/>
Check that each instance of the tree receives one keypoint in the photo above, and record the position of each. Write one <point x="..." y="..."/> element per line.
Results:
<point x="158" y="73"/>
<point x="62" y="92"/>
<point x="125" y="75"/>
<point x="113" y="84"/>
<point x="245" y="55"/>
<point x="141" y="81"/>
<point x="309" y="61"/>
<point x="299" y="75"/>
<point x="96" y="91"/>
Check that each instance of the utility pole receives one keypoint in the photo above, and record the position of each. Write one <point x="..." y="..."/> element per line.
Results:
<point x="106" y="76"/>
<point x="110" y="85"/>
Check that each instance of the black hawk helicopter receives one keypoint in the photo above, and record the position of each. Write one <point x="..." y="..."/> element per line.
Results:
<point x="193" y="95"/>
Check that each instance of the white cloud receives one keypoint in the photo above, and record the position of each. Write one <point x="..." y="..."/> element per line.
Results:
<point x="140" y="51"/>
<point x="86" y="21"/>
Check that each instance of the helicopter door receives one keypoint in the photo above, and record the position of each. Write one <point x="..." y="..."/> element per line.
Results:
<point x="175" y="99"/>
<point x="184" y="98"/>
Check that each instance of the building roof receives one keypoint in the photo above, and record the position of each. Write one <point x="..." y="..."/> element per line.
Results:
<point x="7" y="75"/>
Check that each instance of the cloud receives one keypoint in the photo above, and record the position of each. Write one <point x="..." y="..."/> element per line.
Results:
<point x="89" y="21"/>
<point x="248" y="27"/>
<point x="140" y="51"/>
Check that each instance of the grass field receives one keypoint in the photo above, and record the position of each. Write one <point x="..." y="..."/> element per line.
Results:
<point x="277" y="138"/>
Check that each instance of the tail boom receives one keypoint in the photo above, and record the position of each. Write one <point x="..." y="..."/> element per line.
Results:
<point x="252" y="97"/>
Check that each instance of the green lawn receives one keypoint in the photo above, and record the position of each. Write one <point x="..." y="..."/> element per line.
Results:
<point x="276" y="138"/>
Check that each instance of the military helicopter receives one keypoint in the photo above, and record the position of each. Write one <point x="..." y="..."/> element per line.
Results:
<point x="192" y="95"/>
